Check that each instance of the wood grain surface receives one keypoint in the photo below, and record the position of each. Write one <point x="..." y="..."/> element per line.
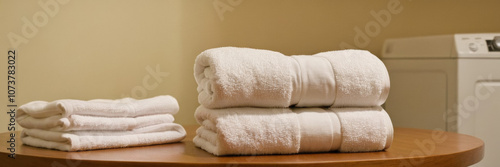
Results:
<point x="411" y="147"/>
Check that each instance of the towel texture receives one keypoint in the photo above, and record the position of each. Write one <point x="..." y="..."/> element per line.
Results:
<point x="251" y="131"/>
<point x="74" y="125"/>
<point x="244" y="77"/>
<point x="126" y="107"/>
<point x="83" y="122"/>
<point x="90" y="140"/>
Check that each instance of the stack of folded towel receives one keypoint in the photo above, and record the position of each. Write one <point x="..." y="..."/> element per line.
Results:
<point x="329" y="101"/>
<point x="74" y="125"/>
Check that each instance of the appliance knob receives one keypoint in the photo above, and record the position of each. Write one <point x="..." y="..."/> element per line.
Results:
<point x="496" y="42"/>
<point x="473" y="47"/>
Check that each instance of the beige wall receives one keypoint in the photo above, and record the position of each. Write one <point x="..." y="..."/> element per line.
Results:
<point x="103" y="48"/>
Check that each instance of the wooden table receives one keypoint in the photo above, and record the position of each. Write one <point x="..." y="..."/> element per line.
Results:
<point x="411" y="147"/>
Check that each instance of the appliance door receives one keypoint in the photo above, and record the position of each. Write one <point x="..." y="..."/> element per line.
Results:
<point x="487" y="121"/>
<point x="479" y="105"/>
<point x="421" y="91"/>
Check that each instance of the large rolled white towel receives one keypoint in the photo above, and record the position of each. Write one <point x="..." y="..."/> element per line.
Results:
<point x="90" y="140"/>
<point x="252" y="131"/>
<point x="244" y="77"/>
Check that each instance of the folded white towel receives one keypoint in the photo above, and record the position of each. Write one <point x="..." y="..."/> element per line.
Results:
<point x="89" y="140"/>
<point x="126" y="107"/>
<point x="247" y="131"/>
<point x="244" y="77"/>
<point x="83" y="122"/>
<point x="74" y="125"/>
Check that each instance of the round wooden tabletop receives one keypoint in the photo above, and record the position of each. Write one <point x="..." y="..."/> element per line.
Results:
<point x="411" y="147"/>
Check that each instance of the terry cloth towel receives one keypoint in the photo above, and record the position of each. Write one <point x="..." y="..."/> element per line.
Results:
<point x="83" y="122"/>
<point x="90" y="140"/>
<point x="244" y="77"/>
<point x="122" y="114"/>
<point x="126" y="107"/>
<point x="252" y="131"/>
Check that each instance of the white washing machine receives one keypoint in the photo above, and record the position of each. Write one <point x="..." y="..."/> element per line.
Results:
<point x="448" y="82"/>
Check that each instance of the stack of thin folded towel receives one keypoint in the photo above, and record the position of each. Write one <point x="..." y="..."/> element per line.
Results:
<point x="75" y="125"/>
<point x="263" y="102"/>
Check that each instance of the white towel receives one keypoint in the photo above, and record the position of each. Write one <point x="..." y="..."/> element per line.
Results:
<point x="83" y="122"/>
<point x="90" y="140"/>
<point x="100" y="114"/>
<point x="251" y="131"/>
<point x="74" y="125"/>
<point x="126" y="107"/>
<point x="244" y="77"/>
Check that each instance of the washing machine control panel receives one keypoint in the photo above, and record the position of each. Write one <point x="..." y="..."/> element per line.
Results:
<point x="478" y="45"/>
